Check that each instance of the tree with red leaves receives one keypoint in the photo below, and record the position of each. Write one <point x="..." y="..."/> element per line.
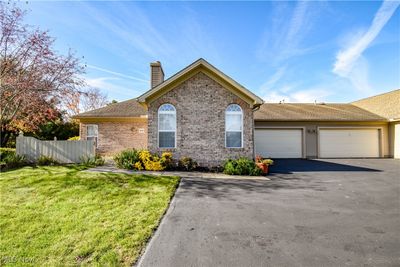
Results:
<point x="34" y="78"/>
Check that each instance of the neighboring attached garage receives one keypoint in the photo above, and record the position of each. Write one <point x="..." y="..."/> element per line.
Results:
<point x="279" y="143"/>
<point x="349" y="143"/>
<point x="396" y="141"/>
<point x="295" y="130"/>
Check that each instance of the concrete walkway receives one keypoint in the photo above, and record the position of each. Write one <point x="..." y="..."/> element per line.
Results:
<point x="203" y="175"/>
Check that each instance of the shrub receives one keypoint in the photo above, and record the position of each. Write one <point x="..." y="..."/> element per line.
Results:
<point x="241" y="166"/>
<point x="93" y="161"/>
<point x="268" y="162"/>
<point x="6" y="151"/>
<point x="132" y="159"/>
<point x="126" y="159"/>
<point x="150" y="162"/>
<point x="187" y="164"/>
<point x="46" y="161"/>
<point x="138" y="166"/>
<point x="11" y="160"/>
<point x="229" y="167"/>
<point x="74" y="138"/>
<point x="259" y="159"/>
<point x="167" y="161"/>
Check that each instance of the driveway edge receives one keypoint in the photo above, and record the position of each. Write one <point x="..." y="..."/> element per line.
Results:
<point x="151" y="239"/>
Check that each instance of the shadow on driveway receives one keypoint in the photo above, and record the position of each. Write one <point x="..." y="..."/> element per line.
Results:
<point x="326" y="213"/>
<point x="307" y="165"/>
<point x="229" y="189"/>
<point x="286" y="174"/>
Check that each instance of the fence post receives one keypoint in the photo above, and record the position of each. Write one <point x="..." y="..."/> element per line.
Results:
<point x="19" y="143"/>
<point x="37" y="149"/>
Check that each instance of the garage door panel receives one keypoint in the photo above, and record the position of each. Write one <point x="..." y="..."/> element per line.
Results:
<point x="347" y="143"/>
<point x="397" y="141"/>
<point x="279" y="143"/>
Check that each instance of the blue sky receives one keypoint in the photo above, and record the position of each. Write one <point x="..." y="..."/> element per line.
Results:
<point x="297" y="51"/>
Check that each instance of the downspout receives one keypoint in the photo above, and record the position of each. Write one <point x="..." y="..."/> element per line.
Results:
<point x="254" y="141"/>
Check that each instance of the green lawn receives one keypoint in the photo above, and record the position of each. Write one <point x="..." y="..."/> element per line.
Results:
<point x="65" y="216"/>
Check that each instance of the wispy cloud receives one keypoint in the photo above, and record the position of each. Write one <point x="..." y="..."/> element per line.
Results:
<point x="273" y="79"/>
<point x="278" y="87"/>
<point x="298" y="21"/>
<point x="349" y="62"/>
<point x="132" y="26"/>
<point x="197" y="41"/>
<point x="109" y="85"/>
<point x="298" y="96"/>
<point x="283" y="37"/>
<point x="117" y="73"/>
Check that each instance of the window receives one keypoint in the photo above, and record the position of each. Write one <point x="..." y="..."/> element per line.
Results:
<point x="92" y="133"/>
<point x="166" y="126"/>
<point x="233" y="126"/>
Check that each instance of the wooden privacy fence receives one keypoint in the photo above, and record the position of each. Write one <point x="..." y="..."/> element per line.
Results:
<point x="61" y="151"/>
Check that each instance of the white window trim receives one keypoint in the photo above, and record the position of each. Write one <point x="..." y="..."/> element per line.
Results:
<point x="168" y="131"/>
<point x="97" y="131"/>
<point x="234" y="113"/>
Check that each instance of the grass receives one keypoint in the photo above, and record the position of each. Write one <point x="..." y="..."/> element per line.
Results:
<point x="58" y="216"/>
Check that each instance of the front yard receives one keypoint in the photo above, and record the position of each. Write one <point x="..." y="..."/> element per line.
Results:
<point x="64" y="216"/>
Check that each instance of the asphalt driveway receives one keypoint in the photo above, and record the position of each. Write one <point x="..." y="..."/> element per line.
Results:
<point x="311" y="213"/>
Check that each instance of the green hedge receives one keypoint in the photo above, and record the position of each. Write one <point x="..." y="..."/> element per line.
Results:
<point x="241" y="166"/>
<point x="9" y="159"/>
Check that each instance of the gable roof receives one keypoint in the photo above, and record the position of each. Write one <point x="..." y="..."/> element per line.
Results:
<point x="314" y="112"/>
<point x="201" y="65"/>
<point x="125" y="109"/>
<point x="386" y="105"/>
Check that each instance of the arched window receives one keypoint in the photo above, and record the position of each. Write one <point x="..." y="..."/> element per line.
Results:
<point x="234" y="126"/>
<point x="166" y="126"/>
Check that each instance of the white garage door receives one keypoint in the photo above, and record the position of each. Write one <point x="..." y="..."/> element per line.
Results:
<point x="348" y="143"/>
<point x="279" y="143"/>
<point x="397" y="141"/>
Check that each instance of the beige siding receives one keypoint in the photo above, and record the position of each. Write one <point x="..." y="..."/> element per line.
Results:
<point x="311" y="132"/>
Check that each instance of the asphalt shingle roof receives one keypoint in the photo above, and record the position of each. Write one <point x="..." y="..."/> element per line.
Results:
<point x="386" y="105"/>
<point x="314" y="112"/>
<point x="267" y="112"/>
<point x="128" y="108"/>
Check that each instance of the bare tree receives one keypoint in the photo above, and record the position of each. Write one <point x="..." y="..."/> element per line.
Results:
<point x="93" y="98"/>
<point x="84" y="100"/>
<point x="34" y="79"/>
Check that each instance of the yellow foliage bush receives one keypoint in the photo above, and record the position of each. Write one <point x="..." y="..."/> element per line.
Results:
<point x="150" y="162"/>
<point x="138" y="166"/>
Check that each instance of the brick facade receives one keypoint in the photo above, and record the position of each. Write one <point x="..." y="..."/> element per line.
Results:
<point x="116" y="136"/>
<point x="200" y="104"/>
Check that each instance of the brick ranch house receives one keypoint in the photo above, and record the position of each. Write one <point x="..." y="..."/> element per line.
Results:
<point x="202" y="113"/>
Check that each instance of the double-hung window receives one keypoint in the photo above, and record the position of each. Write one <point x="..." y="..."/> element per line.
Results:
<point x="166" y="126"/>
<point x="92" y="133"/>
<point x="234" y="126"/>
